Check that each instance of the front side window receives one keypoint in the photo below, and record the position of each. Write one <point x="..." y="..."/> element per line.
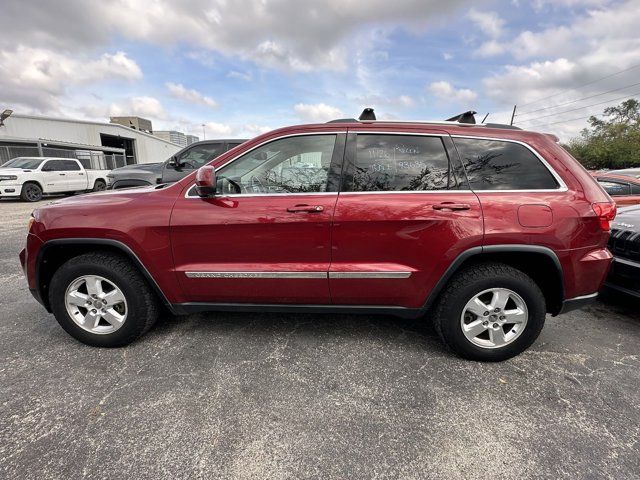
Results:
<point x="54" y="166"/>
<point x="289" y="165"/>
<point x="503" y="165"/>
<point x="615" y="189"/>
<point x="200" y="155"/>
<point x="70" y="165"/>
<point x="399" y="163"/>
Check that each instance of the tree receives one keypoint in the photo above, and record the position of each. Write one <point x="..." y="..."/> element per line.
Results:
<point x="612" y="141"/>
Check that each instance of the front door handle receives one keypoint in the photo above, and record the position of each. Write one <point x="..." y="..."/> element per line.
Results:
<point x="451" y="206"/>
<point x="62" y="174"/>
<point x="306" y="208"/>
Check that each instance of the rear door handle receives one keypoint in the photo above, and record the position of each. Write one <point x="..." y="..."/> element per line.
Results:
<point x="451" y="206"/>
<point x="62" y="174"/>
<point x="306" y="208"/>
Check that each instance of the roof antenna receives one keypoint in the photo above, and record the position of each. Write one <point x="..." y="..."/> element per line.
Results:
<point x="367" y="114"/>
<point x="485" y="117"/>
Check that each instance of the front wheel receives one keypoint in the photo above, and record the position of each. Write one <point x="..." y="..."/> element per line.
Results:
<point x="490" y="312"/>
<point x="31" y="192"/>
<point x="102" y="300"/>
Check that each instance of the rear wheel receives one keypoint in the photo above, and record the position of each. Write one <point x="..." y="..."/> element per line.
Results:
<point x="102" y="300"/>
<point x="31" y="192"/>
<point x="99" y="186"/>
<point x="490" y="312"/>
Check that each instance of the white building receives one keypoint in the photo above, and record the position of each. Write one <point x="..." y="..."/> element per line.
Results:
<point x="172" y="136"/>
<point x="27" y="133"/>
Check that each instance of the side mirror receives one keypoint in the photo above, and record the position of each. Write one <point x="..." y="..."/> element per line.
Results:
<point x="174" y="162"/>
<point x="206" y="181"/>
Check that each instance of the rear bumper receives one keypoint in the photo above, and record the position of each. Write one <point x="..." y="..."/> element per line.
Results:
<point x="576" y="303"/>
<point x="624" y="276"/>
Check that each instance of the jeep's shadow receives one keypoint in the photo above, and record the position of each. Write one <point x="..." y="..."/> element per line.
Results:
<point x="418" y="334"/>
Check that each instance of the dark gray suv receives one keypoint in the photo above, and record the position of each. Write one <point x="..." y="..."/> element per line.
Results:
<point x="174" y="168"/>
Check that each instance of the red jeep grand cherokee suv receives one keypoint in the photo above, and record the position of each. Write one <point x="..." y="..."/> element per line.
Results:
<point x="483" y="229"/>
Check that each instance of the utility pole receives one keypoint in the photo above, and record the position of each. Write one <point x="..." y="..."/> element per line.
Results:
<point x="513" y="114"/>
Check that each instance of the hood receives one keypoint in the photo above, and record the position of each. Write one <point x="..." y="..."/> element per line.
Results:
<point x="141" y="167"/>
<point x="106" y="197"/>
<point x="628" y="218"/>
<point x="13" y="171"/>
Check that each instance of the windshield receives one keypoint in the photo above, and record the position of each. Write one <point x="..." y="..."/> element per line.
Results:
<point x="20" y="162"/>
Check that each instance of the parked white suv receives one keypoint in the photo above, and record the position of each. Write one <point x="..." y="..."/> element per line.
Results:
<point x="31" y="177"/>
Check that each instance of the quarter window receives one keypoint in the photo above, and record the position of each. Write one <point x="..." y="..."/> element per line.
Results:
<point x="289" y="165"/>
<point x="399" y="163"/>
<point x="502" y="165"/>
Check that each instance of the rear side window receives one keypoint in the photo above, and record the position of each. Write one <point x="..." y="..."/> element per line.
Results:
<point x="70" y="165"/>
<point x="501" y="165"/>
<point x="399" y="163"/>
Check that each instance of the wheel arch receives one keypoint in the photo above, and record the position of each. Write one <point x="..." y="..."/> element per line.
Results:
<point x="540" y="263"/>
<point x="37" y="182"/>
<point x="54" y="253"/>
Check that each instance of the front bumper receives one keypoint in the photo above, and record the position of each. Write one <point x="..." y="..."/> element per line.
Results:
<point x="7" y="190"/>
<point x="624" y="276"/>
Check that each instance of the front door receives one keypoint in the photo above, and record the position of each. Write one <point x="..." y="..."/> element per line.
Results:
<point x="54" y="176"/>
<point x="404" y="213"/>
<point x="266" y="237"/>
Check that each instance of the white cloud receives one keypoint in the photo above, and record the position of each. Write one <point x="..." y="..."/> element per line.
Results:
<point x="447" y="56"/>
<point x="491" y="48"/>
<point x="36" y="78"/>
<point x="247" y="77"/>
<point x="148" y="107"/>
<point x="284" y="34"/>
<point x="445" y="91"/>
<point x="490" y="23"/>
<point x="317" y="113"/>
<point x="177" y="90"/>
<point x="214" y="129"/>
<point x="570" y="60"/>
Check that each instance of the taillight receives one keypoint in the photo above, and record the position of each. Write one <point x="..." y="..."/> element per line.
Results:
<point x="606" y="212"/>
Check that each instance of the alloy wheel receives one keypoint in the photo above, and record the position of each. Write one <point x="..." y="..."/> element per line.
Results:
<point x="494" y="318"/>
<point x="96" y="304"/>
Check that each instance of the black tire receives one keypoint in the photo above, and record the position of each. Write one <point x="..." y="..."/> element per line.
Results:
<point x="142" y="303"/>
<point x="31" y="192"/>
<point x="99" y="186"/>
<point x="470" y="282"/>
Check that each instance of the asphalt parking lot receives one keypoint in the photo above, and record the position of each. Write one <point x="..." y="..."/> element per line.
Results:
<point x="309" y="396"/>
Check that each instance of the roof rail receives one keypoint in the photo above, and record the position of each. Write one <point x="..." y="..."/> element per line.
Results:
<point x="466" y="119"/>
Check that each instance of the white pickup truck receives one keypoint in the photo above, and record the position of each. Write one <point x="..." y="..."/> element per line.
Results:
<point x="32" y="177"/>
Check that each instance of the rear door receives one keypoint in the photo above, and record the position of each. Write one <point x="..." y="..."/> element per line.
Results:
<point x="76" y="175"/>
<point x="403" y="214"/>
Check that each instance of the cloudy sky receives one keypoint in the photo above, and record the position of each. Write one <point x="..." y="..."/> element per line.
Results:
<point x="245" y="66"/>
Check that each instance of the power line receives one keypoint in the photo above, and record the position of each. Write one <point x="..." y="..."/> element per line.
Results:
<point x="583" y="85"/>
<point x="561" y="121"/>
<point x="579" y="99"/>
<point x="580" y="108"/>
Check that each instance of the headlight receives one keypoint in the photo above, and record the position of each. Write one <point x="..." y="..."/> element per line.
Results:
<point x="8" y="177"/>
